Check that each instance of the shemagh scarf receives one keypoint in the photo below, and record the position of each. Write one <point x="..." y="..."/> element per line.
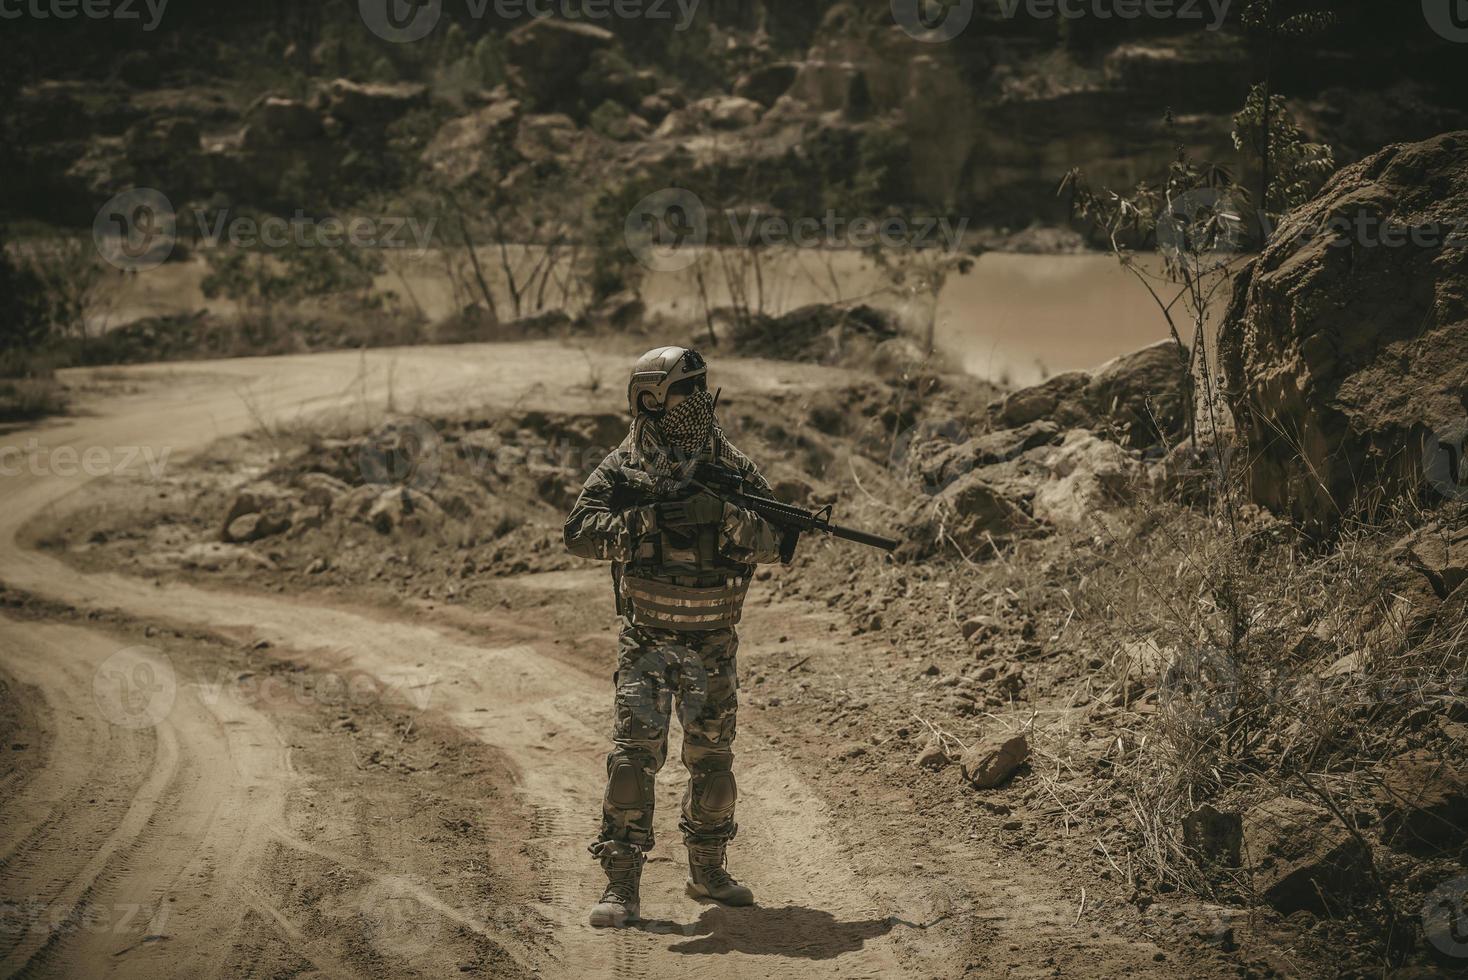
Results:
<point x="670" y="443"/>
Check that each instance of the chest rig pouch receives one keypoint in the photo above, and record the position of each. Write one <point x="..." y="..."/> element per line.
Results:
<point x="678" y="579"/>
<point x="663" y="604"/>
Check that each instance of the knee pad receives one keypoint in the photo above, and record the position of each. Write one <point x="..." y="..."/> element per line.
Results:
<point x="627" y="787"/>
<point x="719" y="793"/>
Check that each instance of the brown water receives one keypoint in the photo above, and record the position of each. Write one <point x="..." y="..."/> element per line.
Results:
<point x="1013" y="317"/>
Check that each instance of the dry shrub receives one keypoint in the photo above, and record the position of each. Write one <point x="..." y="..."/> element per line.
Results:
<point x="1286" y="668"/>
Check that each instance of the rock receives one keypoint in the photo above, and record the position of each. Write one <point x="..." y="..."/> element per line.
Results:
<point x="466" y="147"/>
<point x="1439" y="553"/>
<point x="1060" y="399"/>
<point x="1095" y="476"/>
<point x="256" y="500"/>
<point x="1144" y="394"/>
<point x="405" y="508"/>
<point x="1300" y="857"/>
<point x="766" y="83"/>
<point x="1424" y="803"/>
<point x="545" y="139"/>
<point x="321" y="489"/>
<point x="1354" y="348"/>
<point x="715" y="112"/>
<point x="287" y="120"/>
<point x="255" y="527"/>
<point x="1214" y="836"/>
<point x="1010" y="682"/>
<point x="987" y="450"/>
<point x="372" y="106"/>
<point x="654" y="109"/>
<point x="547" y="57"/>
<point x="210" y="556"/>
<point x="977" y="628"/>
<point x="993" y="761"/>
<point x="932" y="755"/>
<point x="971" y="515"/>
<point x="851" y="750"/>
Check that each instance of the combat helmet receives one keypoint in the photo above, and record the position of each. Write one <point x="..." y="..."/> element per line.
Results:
<point x="657" y="372"/>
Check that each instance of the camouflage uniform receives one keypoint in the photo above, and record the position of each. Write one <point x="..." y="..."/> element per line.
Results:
<point x="610" y="522"/>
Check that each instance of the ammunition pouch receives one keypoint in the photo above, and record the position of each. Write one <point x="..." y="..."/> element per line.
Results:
<point x="664" y="605"/>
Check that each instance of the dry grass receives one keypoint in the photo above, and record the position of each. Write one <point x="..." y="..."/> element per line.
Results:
<point x="1287" y="669"/>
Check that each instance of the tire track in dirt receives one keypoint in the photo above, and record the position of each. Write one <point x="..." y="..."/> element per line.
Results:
<point x="145" y="824"/>
<point x="217" y="801"/>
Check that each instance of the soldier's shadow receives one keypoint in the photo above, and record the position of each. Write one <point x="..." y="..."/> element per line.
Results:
<point x="793" y="931"/>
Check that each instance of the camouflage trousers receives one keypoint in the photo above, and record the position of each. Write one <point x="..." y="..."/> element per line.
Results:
<point x="655" y="667"/>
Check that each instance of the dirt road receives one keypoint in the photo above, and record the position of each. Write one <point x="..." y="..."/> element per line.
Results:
<point x="178" y="809"/>
<point x="166" y="811"/>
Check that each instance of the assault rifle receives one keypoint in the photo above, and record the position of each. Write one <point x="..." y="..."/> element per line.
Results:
<point x="728" y="484"/>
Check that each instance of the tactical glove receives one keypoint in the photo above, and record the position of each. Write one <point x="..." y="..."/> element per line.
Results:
<point x="701" y="508"/>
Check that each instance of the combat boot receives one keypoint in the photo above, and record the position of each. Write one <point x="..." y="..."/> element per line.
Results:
<point x="620" y="901"/>
<point x="707" y="877"/>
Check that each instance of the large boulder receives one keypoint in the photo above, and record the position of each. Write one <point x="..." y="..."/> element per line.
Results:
<point x="372" y="107"/>
<point x="548" y="56"/>
<point x="1092" y="477"/>
<point x="1424" y="803"/>
<point x="470" y="146"/>
<point x="972" y="516"/>
<point x="1300" y="857"/>
<point x="1143" y="394"/>
<point x="1060" y="399"/>
<point x="1345" y="347"/>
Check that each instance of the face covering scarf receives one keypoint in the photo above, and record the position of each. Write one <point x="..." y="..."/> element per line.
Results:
<point x="688" y="425"/>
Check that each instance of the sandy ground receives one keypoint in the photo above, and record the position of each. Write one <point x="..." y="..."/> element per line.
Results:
<point x="179" y="797"/>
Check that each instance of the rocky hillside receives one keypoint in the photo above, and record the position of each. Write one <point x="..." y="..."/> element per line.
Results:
<point x="1347" y="351"/>
<point x="831" y="105"/>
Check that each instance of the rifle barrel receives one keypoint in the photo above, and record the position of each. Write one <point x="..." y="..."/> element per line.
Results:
<point x="862" y="537"/>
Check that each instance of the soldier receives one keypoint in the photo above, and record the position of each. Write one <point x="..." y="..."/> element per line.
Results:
<point x="681" y="564"/>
